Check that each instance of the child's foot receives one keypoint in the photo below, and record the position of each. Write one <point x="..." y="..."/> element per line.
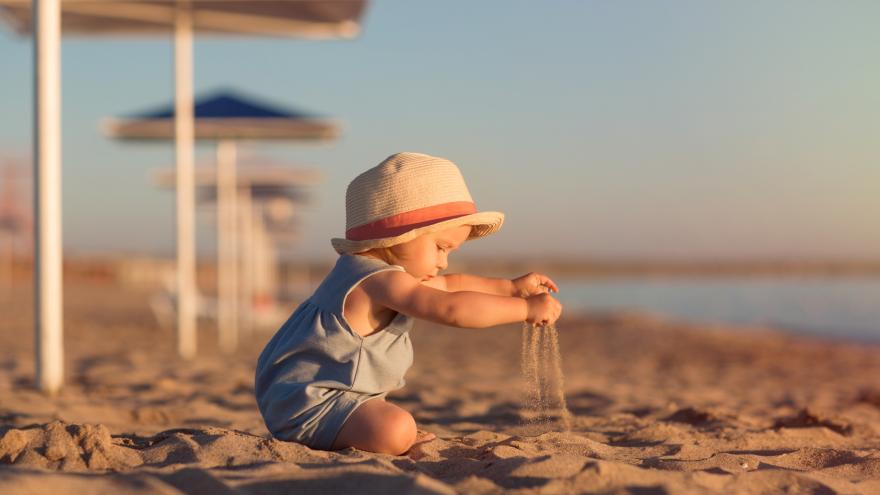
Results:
<point x="423" y="436"/>
<point x="415" y="452"/>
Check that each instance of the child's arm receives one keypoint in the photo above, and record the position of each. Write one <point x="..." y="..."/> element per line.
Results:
<point x="405" y="294"/>
<point x="527" y="285"/>
<point x="456" y="282"/>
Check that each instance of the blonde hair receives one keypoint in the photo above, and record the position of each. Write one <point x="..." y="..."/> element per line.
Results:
<point x="385" y="254"/>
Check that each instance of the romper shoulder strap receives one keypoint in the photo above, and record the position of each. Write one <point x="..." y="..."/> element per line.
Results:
<point x="349" y="271"/>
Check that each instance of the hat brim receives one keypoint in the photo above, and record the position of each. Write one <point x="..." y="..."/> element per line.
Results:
<point x="483" y="223"/>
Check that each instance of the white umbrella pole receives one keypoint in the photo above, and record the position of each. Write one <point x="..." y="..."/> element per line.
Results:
<point x="246" y="236"/>
<point x="257" y="277"/>
<point x="183" y="131"/>
<point x="47" y="196"/>
<point x="262" y="263"/>
<point x="272" y="273"/>
<point x="227" y="249"/>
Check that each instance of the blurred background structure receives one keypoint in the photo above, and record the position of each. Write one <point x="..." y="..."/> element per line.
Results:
<point x="309" y="18"/>
<point x="269" y="196"/>
<point x="227" y="117"/>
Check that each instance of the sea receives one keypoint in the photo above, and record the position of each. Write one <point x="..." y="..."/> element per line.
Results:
<point x="840" y="307"/>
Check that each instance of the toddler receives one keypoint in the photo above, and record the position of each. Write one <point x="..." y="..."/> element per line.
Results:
<point x="322" y="378"/>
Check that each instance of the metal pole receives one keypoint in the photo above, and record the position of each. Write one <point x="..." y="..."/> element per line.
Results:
<point x="272" y="270"/>
<point x="263" y="295"/>
<point x="246" y="235"/>
<point x="183" y="132"/>
<point x="48" y="307"/>
<point x="258" y="253"/>
<point x="227" y="249"/>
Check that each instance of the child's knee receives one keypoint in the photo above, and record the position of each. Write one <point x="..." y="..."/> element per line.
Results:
<point x="401" y="433"/>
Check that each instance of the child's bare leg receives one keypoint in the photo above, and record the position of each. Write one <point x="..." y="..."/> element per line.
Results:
<point x="379" y="426"/>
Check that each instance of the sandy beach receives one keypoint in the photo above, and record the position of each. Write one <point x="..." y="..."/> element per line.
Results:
<point x="658" y="407"/>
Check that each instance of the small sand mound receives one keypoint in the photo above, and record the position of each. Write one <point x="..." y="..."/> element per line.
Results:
<point x="73" y="447"/>
<point x="569" y="443"/>
<point x="810" y="458"/>
<point x="807" y="418"/>
<point x="721" y="463"/>
<point x="217" y="447"/>
<point x="694" y="416"/>
<point x="65" y="447"/>
<point x="653" y="434"/>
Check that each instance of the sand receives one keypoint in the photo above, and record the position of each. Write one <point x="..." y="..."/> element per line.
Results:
<point x="657" y="407"/>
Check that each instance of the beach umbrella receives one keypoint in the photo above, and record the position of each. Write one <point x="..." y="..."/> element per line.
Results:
<point x="303" y="18"/>
<point x="227" y="117"/>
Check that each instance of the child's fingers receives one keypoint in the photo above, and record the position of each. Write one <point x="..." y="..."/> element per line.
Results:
<point x="545" y="281"/>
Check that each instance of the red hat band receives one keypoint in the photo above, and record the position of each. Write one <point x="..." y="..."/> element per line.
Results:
<point x="404" y="222"/>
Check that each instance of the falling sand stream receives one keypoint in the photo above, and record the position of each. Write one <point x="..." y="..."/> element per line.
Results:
<point x="542" y="368"/>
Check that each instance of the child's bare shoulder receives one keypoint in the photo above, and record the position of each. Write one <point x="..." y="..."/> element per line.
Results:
<point x="388" y="281"/>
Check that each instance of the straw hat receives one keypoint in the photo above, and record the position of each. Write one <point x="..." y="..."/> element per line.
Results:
<point x="405" y="196"/>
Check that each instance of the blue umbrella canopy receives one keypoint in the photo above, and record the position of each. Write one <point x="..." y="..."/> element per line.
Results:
<point x="226" y="114"/>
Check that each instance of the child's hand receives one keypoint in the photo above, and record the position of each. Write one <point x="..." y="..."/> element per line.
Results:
<point x="533" y="283"/>
<point x="543" y="309"/>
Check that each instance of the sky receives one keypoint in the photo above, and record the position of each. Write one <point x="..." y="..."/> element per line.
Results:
<point x="602" y="129"/>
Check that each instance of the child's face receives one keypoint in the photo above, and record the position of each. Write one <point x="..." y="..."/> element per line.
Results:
<point x="425" y="256"/>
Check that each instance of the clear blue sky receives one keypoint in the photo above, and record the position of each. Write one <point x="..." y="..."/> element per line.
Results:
<point x="606" y="129"/>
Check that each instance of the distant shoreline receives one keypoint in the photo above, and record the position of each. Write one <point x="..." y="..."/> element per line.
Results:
<point x="110" y="266"/>
<point x="667" y="268"/>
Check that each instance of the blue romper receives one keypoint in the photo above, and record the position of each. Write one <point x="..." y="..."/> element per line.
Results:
<point x="316" y="370"/>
